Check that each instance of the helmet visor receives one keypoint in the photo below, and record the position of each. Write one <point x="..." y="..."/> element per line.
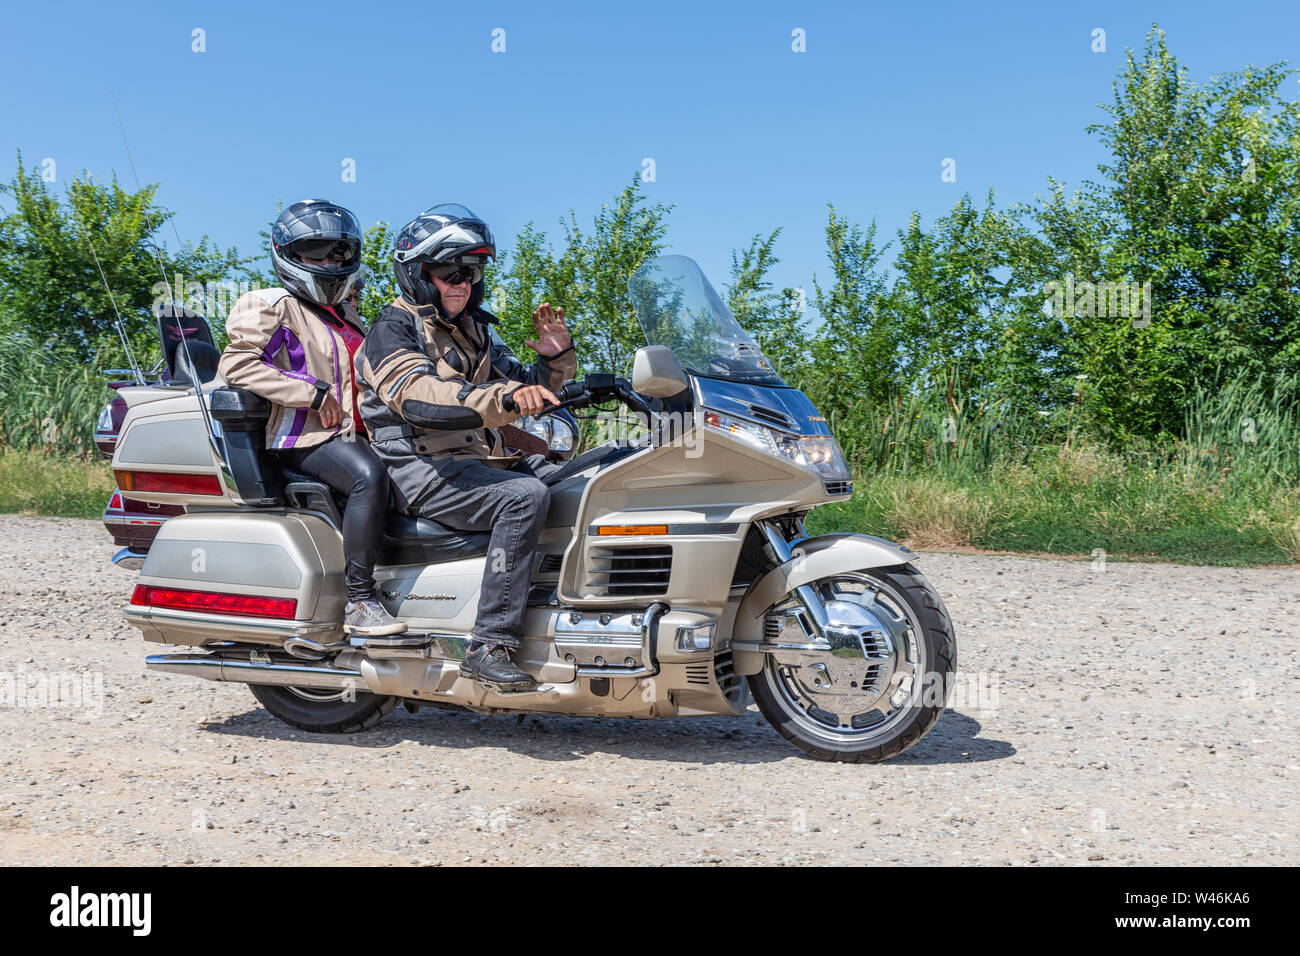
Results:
<point x="449" y="210"/>
<point x="455" y="273"/>
<point x="342" y="252"/>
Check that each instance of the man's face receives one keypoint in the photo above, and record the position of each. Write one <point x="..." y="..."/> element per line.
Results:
<point x="454" y="296"/>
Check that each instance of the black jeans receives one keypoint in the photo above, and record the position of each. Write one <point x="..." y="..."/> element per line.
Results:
<point x="512" y="504"/>
<point x="352" y="469"/>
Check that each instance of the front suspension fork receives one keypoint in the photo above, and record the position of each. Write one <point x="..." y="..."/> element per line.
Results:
<point x="805" y="594"/>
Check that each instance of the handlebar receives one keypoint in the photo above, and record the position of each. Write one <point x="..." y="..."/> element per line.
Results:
<point x="597" y="387"/>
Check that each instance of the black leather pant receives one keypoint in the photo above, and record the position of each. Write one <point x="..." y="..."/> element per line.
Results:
<point x="352" y="469"/>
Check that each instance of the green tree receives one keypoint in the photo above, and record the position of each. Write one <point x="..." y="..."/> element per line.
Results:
<point x="969" y="306"/>
<point x="518" y="283"/>
<point x="377" y="261"/>
<point x="1200" y="196"/>
<point x="589" y="278"/>
<point x="52" y="253"/>
<point x="775" y="319"/>
<point x="855" y="355"/>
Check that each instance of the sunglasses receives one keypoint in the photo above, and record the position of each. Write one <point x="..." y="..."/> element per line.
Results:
<point x="336" y="250"/>
<point x="456" y="274"/>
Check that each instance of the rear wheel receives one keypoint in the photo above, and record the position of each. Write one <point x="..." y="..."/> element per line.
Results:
<point x="883" y="684"/>
<point x="324" y="711"/>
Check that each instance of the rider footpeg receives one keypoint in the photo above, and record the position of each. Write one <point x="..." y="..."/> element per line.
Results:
<point x="513" y="690"/>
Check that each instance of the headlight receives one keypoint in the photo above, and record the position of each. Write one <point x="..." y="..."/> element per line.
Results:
<point x="818" y="452"/>
<point x="556" y="432"/>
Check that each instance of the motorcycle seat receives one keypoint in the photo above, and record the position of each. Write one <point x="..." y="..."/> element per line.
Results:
<point x="407" y="539"/>
<point x="411" y="539"/>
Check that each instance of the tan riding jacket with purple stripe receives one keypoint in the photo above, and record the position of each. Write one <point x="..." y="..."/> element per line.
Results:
<point x="280" y="347"/>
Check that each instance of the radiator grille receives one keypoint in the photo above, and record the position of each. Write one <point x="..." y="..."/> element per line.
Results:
<point x="729" y="682"/>
<point x="839" y="487"/>
<point x="698" y="673"/>
<point x="630" y="571"/>
<point x="753" y="559"/>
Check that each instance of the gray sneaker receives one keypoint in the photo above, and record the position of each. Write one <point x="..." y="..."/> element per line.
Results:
<point x="369" y="619"/>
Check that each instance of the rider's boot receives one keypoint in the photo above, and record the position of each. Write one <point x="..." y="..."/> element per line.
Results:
<point x="368" y="618"/>
<point x="491" y="664"/>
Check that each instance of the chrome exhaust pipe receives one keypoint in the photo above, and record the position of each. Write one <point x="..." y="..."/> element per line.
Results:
<point x="309" y="650"/>
<point x="210" y="667"/>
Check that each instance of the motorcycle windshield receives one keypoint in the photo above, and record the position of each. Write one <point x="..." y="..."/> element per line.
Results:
<point x="677" y="307"/>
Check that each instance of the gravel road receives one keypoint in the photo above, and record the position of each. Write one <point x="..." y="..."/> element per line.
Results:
<point x="1140" y="714"/>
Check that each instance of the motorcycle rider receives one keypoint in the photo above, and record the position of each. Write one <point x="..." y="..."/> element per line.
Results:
<point x="436" y="389"/>
<point x="294" y="346"/>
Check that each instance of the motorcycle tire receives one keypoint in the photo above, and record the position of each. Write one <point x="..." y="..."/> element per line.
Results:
<point x="323" y="712"/>
<point x="932" y="631"/>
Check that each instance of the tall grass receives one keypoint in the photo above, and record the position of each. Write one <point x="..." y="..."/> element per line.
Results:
<point x="32" y="482"/>
<point x="49" y="401"/>
<point x="947" y="437"/>
<point x="1248" y="428"/>
<point x="942" y="472"/>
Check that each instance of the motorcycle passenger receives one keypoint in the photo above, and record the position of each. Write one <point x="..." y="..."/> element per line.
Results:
<point x="436" y="390"/>
<point x="294" y="347"/>
<point x="358" y="287"/>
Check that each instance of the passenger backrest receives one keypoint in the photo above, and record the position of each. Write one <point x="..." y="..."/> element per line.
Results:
<point x="242" y="416"/>
<point x="176" y="324"/>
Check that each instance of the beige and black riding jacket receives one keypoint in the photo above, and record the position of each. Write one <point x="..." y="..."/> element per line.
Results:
<point x="284" y="349"/>
<point x="440" y="388"/>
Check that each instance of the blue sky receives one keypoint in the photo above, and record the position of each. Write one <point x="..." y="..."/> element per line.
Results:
<point x="745" y="134"/>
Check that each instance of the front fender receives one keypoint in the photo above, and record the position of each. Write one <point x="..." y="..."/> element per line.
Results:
<point x="811" y="559"/>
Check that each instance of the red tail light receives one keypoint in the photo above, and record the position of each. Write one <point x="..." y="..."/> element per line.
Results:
<point x="177" y="483"/>
<point x="247" y="605"/>
<point x="115" y="502"/>
<point x="117" y="408"/>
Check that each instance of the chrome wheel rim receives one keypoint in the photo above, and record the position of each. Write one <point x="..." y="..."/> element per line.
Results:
<point x="872" y="679"/>
<point x="318" y="695"/>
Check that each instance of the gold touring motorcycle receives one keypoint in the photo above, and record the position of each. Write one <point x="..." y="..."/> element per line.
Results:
<point x="673" y="578"/>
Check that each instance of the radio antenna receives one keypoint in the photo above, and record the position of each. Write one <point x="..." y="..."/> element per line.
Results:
<point x="185" y="341"/>
<point x="118" y="323"/>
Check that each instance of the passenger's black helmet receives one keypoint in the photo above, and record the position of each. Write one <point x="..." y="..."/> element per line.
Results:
<point x="444" y="234"/>
<point x="316" y="229"/>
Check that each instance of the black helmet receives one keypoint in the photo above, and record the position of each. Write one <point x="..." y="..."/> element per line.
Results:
<point x="314" y="228"/>
<point x="444" y="234"/>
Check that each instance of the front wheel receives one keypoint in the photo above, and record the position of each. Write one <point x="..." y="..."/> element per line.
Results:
<point x="324" y="711"/>
<point x="883" y="683"/>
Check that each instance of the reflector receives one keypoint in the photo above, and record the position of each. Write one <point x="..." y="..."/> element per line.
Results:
<point x="176" y="483"/>
<point x="248" y="605"/>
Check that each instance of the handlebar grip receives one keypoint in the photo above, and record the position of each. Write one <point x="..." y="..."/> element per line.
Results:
<point x="570" y="390"/>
